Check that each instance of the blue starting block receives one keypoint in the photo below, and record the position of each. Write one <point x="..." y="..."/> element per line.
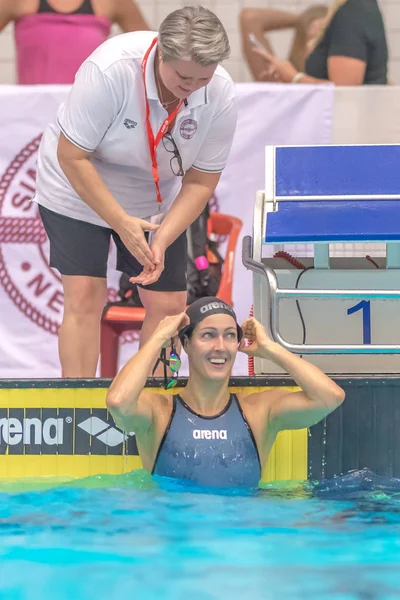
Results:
<point x="322" y="195"/>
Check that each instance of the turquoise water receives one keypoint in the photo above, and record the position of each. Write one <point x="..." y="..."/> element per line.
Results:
<point x="130" y="537"/>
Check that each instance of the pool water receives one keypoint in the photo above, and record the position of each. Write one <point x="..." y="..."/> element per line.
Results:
<point x="131" y="537"/>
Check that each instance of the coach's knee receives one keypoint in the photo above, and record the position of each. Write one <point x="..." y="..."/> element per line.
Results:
<point x="84" y="296"/>
<point x="161" y="304"/>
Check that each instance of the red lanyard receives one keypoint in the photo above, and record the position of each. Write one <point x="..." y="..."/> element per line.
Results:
<point x="153" y="143"/>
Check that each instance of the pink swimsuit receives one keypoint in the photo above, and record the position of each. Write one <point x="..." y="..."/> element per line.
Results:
<point x="52" y="46"/>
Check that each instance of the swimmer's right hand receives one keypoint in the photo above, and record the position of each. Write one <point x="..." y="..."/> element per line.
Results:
<point x="169" y="327"/>
<point x="131" y="233"/>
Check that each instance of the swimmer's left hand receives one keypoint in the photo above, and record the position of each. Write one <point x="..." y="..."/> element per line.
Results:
<point x="256" y="336"/>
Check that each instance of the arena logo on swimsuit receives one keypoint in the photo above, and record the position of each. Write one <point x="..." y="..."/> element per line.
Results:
<point x="210" y="434"/>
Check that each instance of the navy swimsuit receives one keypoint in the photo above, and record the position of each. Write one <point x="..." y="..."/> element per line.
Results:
<point x="218" y="451"/>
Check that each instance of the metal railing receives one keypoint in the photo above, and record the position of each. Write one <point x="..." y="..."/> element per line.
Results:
<point x="275" y="294"/>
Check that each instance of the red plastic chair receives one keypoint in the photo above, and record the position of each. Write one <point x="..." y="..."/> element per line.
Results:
<point x="122" y="318"/>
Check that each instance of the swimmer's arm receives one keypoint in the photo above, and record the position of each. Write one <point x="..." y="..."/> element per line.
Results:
<point x="129" y="404"/>
<point x="129" y="17"/>
<point x="297" y="410"/>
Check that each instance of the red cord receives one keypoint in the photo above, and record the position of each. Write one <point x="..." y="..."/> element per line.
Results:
<point x="368" y="257"/>
<point x="291" y="259"/>
<point x="296" y="263"/>
<point x="299" y="265"/>
<point x="250" y="359"/>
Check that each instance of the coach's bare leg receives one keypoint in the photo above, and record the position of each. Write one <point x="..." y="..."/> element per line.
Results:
<point x="79" y="337"/>
<point x="159" y="305"/>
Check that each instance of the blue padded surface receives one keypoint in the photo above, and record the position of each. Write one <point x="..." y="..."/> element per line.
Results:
<point x="337" y="170"/>
<point x="334" y="220"/>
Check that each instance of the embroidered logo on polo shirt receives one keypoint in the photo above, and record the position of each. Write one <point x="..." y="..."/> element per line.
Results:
<point x="188" y="128"/>
<point x="129" y="124"/>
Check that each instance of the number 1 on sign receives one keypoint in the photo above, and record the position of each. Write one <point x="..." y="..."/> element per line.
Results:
<point x="365" y="306"/>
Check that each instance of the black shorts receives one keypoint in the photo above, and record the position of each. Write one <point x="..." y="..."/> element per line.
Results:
<point x="80" y="248"/>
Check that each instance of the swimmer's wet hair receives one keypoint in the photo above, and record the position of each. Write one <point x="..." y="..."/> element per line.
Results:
<point x="193" y="33"/>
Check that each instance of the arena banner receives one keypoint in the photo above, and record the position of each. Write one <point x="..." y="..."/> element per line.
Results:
<point x="31" y="299"/>
<point x="61" y="428"/>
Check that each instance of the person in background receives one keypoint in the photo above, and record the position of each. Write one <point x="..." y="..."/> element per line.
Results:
<point x="205" y="434"/>
<point x="54" y="37"/>
<point x="351" y="50"/>
<point x="259" y="21"/>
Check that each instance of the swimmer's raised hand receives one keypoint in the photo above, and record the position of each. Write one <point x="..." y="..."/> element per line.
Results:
<point x="257" y="338"/>
<point x="169" y="327"/>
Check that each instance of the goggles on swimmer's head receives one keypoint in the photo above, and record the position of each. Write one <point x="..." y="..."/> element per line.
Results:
<point x="173" y="362"/>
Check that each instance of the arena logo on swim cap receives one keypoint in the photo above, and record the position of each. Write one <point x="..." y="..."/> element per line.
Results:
<point x="215" y="305"/>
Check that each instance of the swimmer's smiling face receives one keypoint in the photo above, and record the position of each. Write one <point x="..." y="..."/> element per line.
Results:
<point x="213" y="346"/>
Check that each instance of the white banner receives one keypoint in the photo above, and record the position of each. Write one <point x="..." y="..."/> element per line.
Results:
<point x="30" y="292"/>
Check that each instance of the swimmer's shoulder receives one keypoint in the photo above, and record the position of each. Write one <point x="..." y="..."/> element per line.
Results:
<point x="257" y="405"/>
<point x="259" y="398"/>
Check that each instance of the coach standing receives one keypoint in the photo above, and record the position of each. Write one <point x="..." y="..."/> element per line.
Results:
<point x="137" y="151"/>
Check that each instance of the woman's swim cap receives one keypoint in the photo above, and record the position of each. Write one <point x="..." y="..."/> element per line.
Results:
<point x="203" y="308"/>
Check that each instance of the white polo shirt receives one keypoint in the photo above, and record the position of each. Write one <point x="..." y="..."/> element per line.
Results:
<point x="105" y="114"/>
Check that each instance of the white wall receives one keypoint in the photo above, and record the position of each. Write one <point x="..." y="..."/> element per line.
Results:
<point x="228" y="11"/>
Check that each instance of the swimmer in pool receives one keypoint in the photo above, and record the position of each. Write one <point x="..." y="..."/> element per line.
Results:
<point x="205" y="434"/>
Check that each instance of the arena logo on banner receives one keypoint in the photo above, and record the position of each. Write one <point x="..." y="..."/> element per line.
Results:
<point x="25" y="274"/>
<point x="63" y="431"/>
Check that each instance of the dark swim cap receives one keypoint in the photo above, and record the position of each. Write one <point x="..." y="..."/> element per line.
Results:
<point x="203" y="308"/>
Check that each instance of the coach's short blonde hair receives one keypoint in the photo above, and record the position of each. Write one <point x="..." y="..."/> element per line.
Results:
<point x="193" y="33"/>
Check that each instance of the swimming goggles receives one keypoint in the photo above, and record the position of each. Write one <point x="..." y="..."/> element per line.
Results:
<point x="173" y="362"/>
